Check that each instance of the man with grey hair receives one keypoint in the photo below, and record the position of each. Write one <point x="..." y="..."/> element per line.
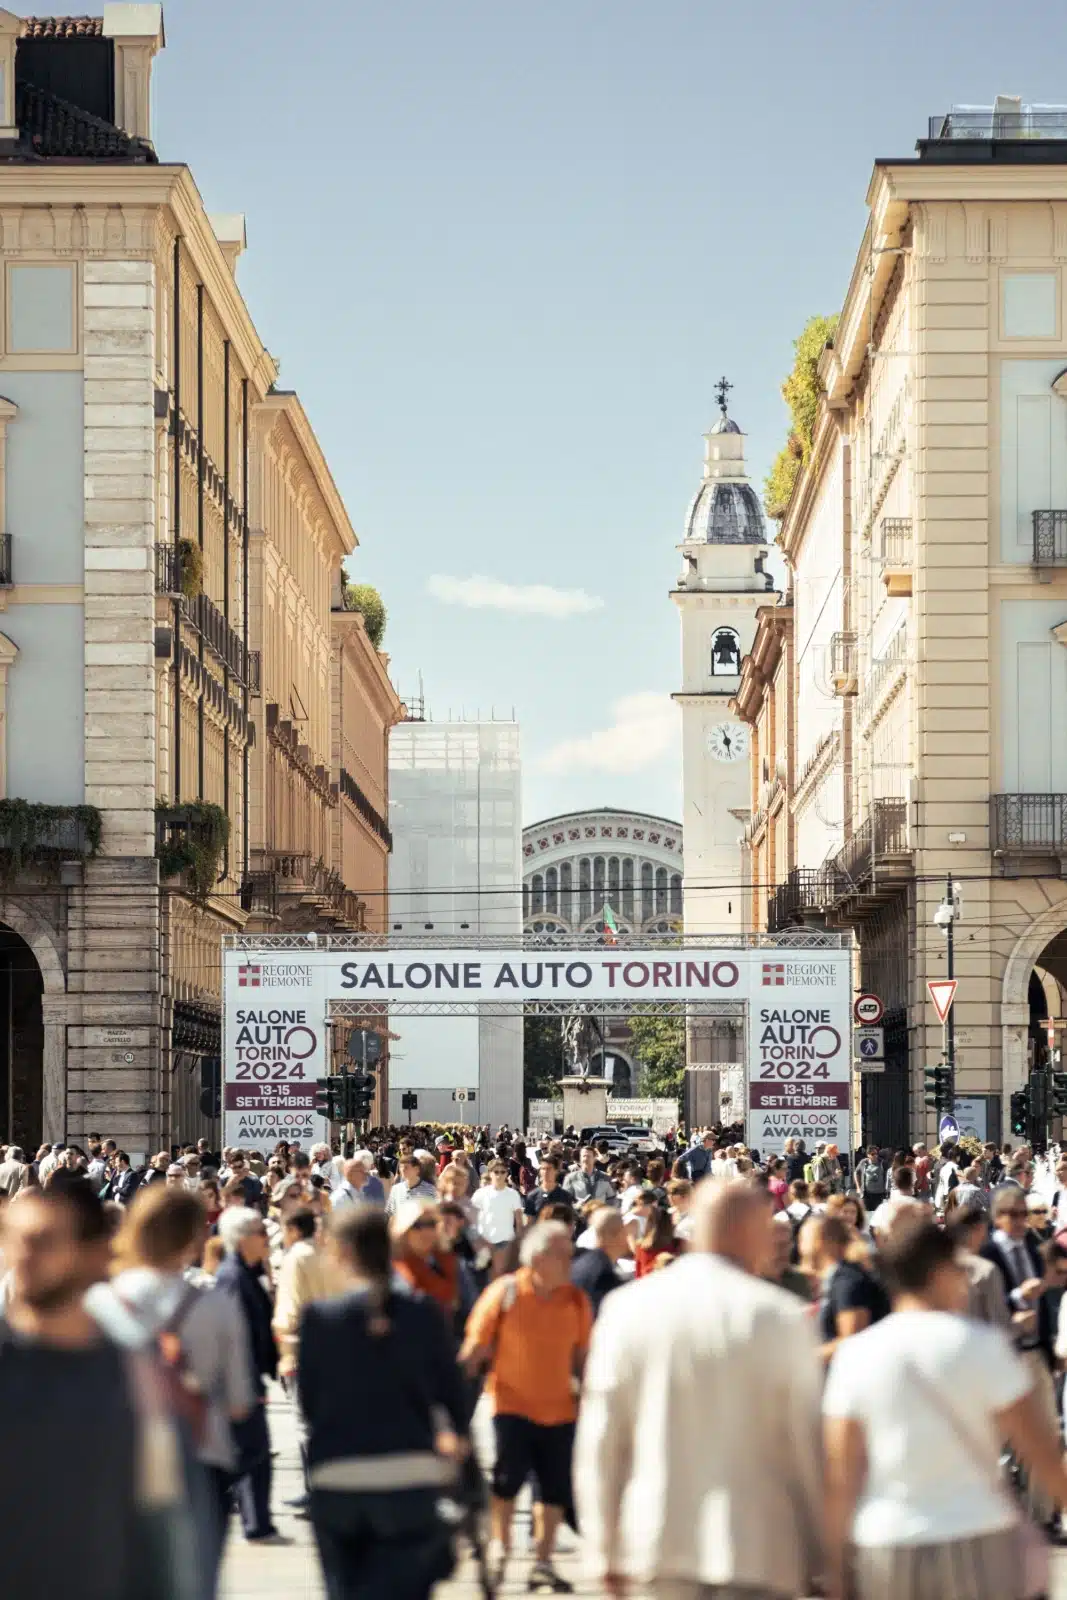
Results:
<point x="354" y="1186"/>
<point x="244" y="1236"/>
<point x="692" y="1520"/>
<point x="13" y="1171"/>
<point x="528" y="1333"/>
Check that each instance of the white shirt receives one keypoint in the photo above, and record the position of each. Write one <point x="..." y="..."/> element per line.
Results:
<point x="695" y="1512"/>
<point x="882" y="1218"/>
<point x="496" y="1211"/>
<point x="932" y="1464"/>
<point x="629" y="1195"/>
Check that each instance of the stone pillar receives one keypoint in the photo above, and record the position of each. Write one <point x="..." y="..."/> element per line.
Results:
<point x="114" y="1075"/>
<point x="585" y="1102"/>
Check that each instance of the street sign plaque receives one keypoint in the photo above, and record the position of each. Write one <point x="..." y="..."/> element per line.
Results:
<point x="868" y="1044"/>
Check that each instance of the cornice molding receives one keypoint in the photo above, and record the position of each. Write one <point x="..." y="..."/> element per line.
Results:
<point x="794" y="525"/>
<point x="354" y="643"/>
<point x="286" y="405"/>
<point x="80" y="210"/>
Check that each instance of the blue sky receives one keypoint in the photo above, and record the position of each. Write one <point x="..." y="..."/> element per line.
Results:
<point x="503" y="253"/>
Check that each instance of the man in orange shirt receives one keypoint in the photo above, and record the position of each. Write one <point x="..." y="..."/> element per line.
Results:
<point x="529" y="1333"/>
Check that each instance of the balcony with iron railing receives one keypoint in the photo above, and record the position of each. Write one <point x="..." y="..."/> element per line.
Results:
<point x="1050" y="538"/>
<point x="1028" y="825"/>
<point x="844" y="661"/>
<point x="878" y="850"/>
<point x="806" y="890"/>
<point x="895" y="555"/>
<point x="204" y="617"/>
<point x="983" y="124"/>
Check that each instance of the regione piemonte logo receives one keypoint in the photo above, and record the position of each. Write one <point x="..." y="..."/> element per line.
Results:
<point x="774" y="974"/>
<point x="248" y="977"/>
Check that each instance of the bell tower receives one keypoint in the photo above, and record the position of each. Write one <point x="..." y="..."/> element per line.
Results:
<point x="721" y="586"/>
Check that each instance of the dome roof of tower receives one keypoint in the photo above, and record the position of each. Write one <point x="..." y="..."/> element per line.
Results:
<point x="724" y="424"/>
<point x="726" y="512"/>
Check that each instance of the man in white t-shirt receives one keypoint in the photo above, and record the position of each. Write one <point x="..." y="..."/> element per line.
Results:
<point x="915" y="1411"/>
<point x="498" y="1208"/>
<point x="901" y="1199"/>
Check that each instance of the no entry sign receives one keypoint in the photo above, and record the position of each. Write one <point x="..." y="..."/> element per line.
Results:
<point x="868" y="1009"/>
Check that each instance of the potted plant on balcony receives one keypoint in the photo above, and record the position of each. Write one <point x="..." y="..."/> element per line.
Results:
<point x="191" y="841"/>
<point x="33" y="835"/>
<point x="190" y="568"/>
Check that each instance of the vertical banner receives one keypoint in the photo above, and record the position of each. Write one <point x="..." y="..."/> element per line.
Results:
<point x="800" y="1050"/>
<point x="274" y="1047"/>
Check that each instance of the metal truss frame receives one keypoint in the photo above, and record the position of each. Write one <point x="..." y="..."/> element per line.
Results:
<point x="802" y="939"/>
<point x="353" y="1010"/>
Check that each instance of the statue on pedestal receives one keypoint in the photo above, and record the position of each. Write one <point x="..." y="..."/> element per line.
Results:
<point x="582" y="1039"/>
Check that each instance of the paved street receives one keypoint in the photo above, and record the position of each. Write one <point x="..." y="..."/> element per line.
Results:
<point x="293" y="1570"/>
<point x="252" y="1573"/>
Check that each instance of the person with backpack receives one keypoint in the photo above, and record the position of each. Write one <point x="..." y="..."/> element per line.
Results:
<point x="87" y="1521"/>
<point x="196" y="1336"/>
<point x="852" y="1298"/>
<point x="529" y="1334"/>
<point x="872" y="1179"/>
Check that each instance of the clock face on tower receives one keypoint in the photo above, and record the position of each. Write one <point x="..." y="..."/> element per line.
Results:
<point x="728" y="741"/>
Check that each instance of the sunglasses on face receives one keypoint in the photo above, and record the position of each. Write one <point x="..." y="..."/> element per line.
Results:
<point x="421" y="1226"/>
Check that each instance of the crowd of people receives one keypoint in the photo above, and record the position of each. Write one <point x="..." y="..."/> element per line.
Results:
<point x="736" y="1373"/>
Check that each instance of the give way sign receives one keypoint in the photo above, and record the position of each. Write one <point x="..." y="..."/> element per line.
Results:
<point x="942" y="992"/>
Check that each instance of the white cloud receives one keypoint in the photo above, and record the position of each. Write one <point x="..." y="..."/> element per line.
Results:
<point x="529" y="599"/>
<point x="644" y="730"/>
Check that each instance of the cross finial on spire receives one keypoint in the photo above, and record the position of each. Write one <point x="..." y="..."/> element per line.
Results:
<point x="722" y="389"/>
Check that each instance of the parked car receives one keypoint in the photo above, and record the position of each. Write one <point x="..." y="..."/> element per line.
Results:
<point x="616" y="1141"/>
<point x="643" y="1140"/>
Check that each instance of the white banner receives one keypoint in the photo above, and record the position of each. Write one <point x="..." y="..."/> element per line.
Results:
<point x="276" y="1003"/>
<point x="800" y="1052"/>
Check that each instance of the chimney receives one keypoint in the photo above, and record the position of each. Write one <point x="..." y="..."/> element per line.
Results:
<point x="137" y="34"/>
<point x="230" y="231"/>
<point x="10" y="29"/>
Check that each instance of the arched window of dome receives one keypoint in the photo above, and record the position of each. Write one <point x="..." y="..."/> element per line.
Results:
<point x="552" y="891"/>
<point x="614" y="899"/>
<point x="525" y="901"/>
<point x="628" y="890"/>
<point x="585" y="896"/>
<point x="676" y="894"/>
<point x="538" y="894"/>
<point x="647" y="902"/>
<point x="566" y="894"/>
<point x="598" y="884"/>
<point x="726" y="653"/>
<point x="661" y="890"/>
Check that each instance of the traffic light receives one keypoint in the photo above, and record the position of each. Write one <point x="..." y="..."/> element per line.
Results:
<point x="1020" y="1112"/>
<point x="328" y="1096"/>
<point x="360" y="1095"/>
<point x="1040" y="1099"/>
<point x="1059" y="1094"/>
<point x="937" y="1082"/>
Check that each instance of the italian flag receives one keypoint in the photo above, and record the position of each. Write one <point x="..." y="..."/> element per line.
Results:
<point x="611" y="927"/>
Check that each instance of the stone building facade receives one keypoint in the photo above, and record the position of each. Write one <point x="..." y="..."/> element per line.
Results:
<point x="171" y="567"/>
<point x="921" y="646"/>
